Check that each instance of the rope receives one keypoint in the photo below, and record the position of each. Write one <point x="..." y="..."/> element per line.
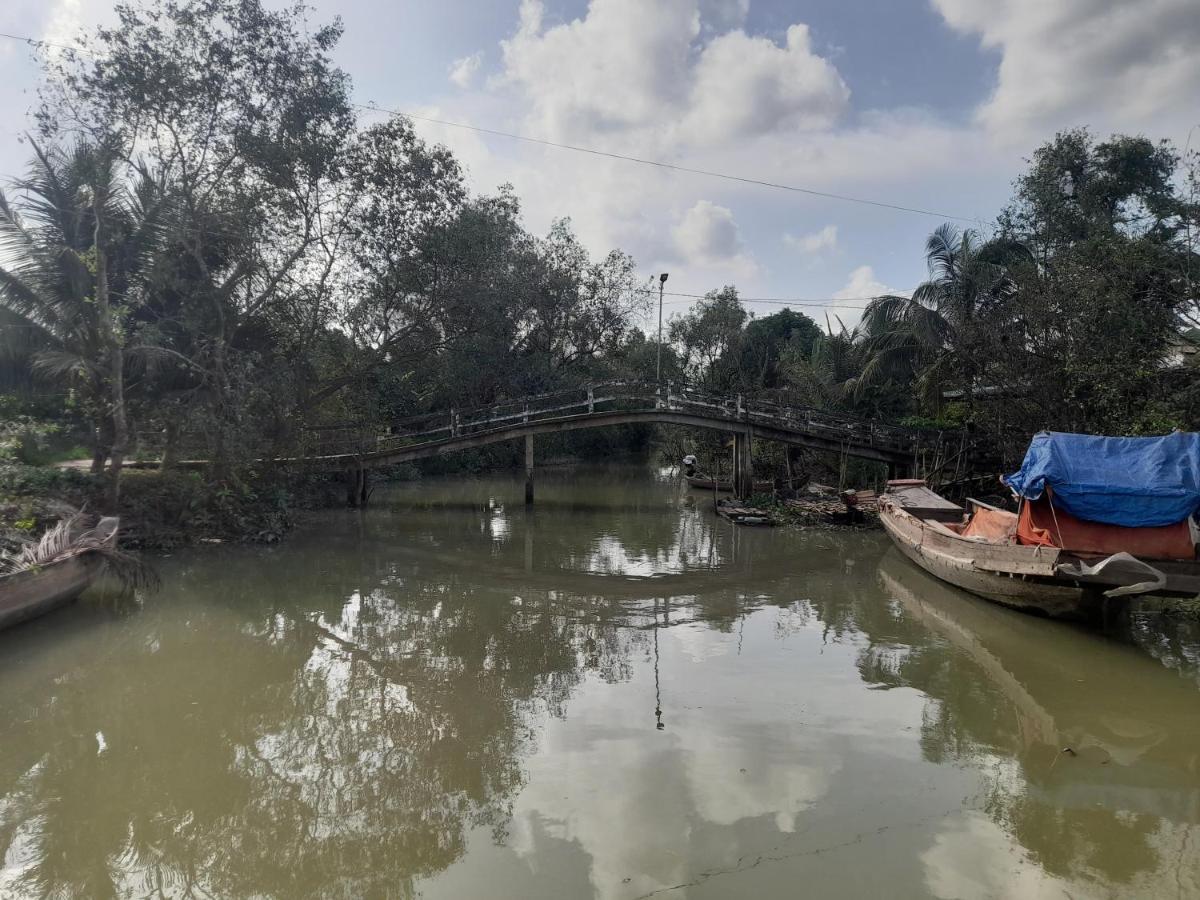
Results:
<point x="1054" y="515"/>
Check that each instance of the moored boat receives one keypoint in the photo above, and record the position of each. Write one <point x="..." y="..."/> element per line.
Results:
<point x="707" y="484"/>
<point x="1098" y="518"/>
<point x="1020" y="577"/>
<point x="738" y="514"/>
<point x="39" y="589"/>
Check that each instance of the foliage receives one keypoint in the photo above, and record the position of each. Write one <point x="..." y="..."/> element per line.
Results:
<point x="1065" y="319"/>
<point x="707" y="337"/>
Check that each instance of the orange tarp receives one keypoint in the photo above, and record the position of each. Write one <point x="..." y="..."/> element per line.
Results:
<point x="1041" y="525"/>
<point x="995" y="525"/>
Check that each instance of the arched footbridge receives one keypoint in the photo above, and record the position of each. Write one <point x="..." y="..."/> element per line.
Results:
<point x="353" y="448"/>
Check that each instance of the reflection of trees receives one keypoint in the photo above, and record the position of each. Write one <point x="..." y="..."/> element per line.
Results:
<point x="347" y="753"/>
<point x="1009" y="692"/>
<point x="1173" y="641"/>
<point x="1076" y="842"/>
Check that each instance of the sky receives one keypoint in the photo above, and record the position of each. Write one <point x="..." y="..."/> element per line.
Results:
<point x="928" y="104"/>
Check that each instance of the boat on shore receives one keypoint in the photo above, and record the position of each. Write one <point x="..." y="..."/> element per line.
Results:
<point x="699" y="482"/>
<point x="739" y="514"/>
<point x="42" y="588"/>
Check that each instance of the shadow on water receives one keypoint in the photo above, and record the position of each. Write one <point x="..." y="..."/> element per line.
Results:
<point x="451" y="696"/>
<point x="1106" y="740"/>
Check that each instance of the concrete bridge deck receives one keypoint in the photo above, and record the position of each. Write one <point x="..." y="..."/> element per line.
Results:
<point x="619" y="403"/>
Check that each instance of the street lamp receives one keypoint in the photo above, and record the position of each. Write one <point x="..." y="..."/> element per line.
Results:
<point x="662" y="280"/>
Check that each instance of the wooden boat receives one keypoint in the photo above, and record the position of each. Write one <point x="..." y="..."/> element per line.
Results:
<point x="739" y="514"/>
<point x="939" y="537"/>
<point x="699" y="482"/>
<point x="37" y="591"/>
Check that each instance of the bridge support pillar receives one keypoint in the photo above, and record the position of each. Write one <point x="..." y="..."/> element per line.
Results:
<point x="529" y="470"/>
<point x="743" y="466"/>
<point x="358" y="487"/>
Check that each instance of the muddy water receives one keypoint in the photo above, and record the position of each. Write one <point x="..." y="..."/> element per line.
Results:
<point x="617" y="696"/>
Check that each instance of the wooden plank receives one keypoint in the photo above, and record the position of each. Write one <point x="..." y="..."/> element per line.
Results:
<point x="1015" y="566"/>
<point x="923" y="503"/>
<point x="940" y="527"/>
<point x="1017" y="560"/>
<point x="981" y="505"/>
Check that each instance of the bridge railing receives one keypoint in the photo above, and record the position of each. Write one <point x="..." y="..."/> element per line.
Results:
<point x="613" y="396"/>
<point x="838" y="428"/>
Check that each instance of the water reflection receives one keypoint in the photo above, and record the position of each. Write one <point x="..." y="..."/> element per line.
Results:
<point x="1090" y="750"/>
<point x="450" y="697"/>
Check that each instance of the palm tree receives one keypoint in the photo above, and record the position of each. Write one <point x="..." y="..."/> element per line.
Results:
<point x="933" y="337"/>
<point x="73" y="265"/>
<point x="826" y="375"/>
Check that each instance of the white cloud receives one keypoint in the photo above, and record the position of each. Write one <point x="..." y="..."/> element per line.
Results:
<point x="623" y="65"/>
<point x="1113" y="64"/>
<point x="748" y="85"/>
<point x="708" y="235"/>
<point x="463" y="71"/>
<point x="63" y="22"/>
<point x="861" y="287"/>
<point x="862" y="283"/>
<point x="816" y="243"/>
<point x="631" y="65"/>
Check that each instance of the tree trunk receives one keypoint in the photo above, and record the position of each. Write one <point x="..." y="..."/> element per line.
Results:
<point x="99" y="450"/>
<point x="101" y="440"/>
<point x="116" y="364"/>
<point x="170" y="455"/>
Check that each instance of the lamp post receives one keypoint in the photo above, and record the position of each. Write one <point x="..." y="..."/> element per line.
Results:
<point x="662" y="280"/>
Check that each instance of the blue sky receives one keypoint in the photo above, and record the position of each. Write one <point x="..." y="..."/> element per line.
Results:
<point x="925" y="103"/>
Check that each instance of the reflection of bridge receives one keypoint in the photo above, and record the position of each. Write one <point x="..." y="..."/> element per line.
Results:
<point x="621" y="403"/>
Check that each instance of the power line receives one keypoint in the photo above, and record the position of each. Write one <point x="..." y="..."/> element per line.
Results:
<point x="790" y="303"/>
<point x="839" y="302"/>
<point x="794" y="301"/>
<point x="38" y="42"/>
<point x="592" y="151"/>
<point x="707" y="173"/>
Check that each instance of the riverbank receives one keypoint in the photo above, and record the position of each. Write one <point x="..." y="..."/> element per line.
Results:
<point x="158" y="510"/>
<point x="818" y="510"/>
<point x="168" y="510"/>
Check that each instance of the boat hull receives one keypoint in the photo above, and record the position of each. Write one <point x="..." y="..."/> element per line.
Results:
<point x="27" y="595"/>
<point x="35" y="592"/>
<point x="706" y="484"/>
<point x="953" y="560"/>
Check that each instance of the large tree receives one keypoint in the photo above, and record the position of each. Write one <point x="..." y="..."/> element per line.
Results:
<point x="77" y="254"/>
<point x="707" y="335"/>
<point x="240" y="109"/>
<point x="1098" y="307"/>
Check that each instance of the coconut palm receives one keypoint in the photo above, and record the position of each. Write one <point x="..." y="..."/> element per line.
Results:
<point x="932" y="338"/>
<point x="73" y="268"/>
<point x="825" y="375"/>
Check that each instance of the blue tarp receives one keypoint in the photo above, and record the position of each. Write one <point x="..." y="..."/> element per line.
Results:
<point x="1136" y="482"/>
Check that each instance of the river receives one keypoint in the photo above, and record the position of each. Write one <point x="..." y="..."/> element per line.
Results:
<point x="616" y="696"/>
